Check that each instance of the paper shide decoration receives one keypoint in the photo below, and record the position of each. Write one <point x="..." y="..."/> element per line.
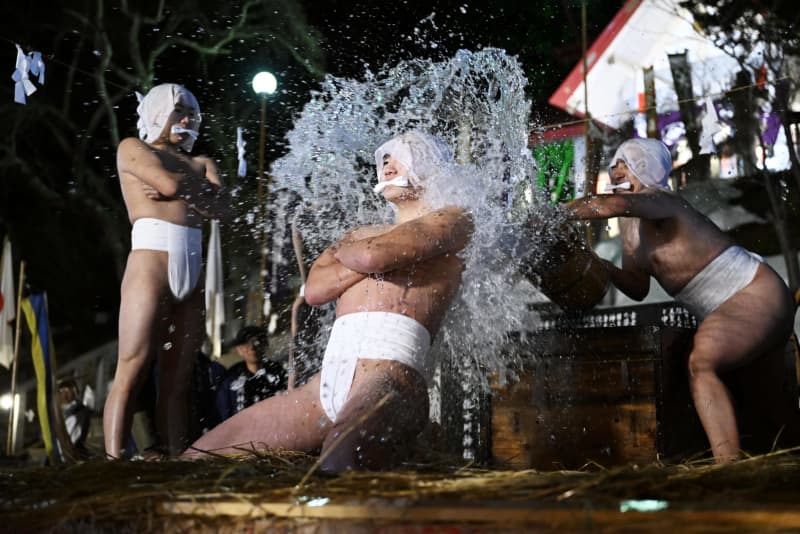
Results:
<point x="26" y="64"/>
<point x="240" y="144"/>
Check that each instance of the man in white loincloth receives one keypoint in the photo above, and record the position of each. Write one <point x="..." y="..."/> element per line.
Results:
<point x="745" y="309"/>
<point x="394" y="284"/>
<point x="167" y="194"/>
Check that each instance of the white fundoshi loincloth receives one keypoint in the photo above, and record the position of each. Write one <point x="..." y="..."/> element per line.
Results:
<point x="184" y="248"/>
<point x="370" y="335"/>
<point x="726" y="275"/>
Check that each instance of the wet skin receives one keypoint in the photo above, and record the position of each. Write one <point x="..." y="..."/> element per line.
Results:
<point x="411" y="268"/>
<point x="664" y="237"/>
<point x="161" y="182"/>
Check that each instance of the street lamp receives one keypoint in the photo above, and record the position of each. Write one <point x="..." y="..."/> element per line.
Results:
<point x="264" y="84"/>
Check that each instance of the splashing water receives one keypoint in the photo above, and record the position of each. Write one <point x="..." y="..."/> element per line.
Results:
<point x="475" y="104"/>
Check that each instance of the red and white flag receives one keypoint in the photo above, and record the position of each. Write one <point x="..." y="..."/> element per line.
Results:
<point x="8" y="307"/>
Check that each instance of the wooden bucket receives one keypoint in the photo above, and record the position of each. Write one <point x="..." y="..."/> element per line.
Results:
<point x="569" y="272"/>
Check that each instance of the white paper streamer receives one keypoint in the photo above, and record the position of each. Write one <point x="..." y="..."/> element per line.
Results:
<point x="240" y="144"/>
<point x="37" y="66"/>
<point x="23" y="87"/>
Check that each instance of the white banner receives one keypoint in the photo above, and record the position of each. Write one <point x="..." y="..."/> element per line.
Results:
<point x="8" y="308"/>
<point x="215" y="296"/>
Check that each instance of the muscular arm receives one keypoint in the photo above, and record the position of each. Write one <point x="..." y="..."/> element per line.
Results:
<point x="208" y="197"/>
<point x="446" y="230"/>
<point x="652" y="205"/>
<point x="630" y="280"/>
<point x="137" y="159"/>
<point x="645" y="205"/>
<point x="198" y="186"/>
<point x="328" y="278"/>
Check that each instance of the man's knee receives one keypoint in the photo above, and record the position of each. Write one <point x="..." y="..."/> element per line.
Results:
<point x="701" y="362"/>
<point x="357" y="448"/>
<point x="380" y="442"/>
<point x="127" y="379"/>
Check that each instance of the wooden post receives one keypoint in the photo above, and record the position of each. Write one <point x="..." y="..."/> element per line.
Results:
<point x="299" y="300"/>
<point x="262" y="197"/>
<point x="650" y="112"/>
<point x="590" y="164"/>
<point x="10" y="438"/>
<point x="590" y="181"/>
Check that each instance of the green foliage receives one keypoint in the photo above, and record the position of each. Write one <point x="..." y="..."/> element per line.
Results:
<point x="555" y="169"/>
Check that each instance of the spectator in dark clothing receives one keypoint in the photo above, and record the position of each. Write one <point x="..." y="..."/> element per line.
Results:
<point x="77" y="416"/>
<point x="253" y="379"/>
<point x="208" y="376"/>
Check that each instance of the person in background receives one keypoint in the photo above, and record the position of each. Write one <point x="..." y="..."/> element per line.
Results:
<point x="208" y="376"/>
<point x="254" y="379"/>
<point x="77" y="416"/>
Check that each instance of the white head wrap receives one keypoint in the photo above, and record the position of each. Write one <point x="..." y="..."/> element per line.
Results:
<point x="154" y="110"/>
<point x="422" y="154"/>
<point x="648" y="159"/>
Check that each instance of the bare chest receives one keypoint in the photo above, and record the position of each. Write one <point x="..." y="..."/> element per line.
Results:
<point x="179" y="163"/>
<point x="422" y="291"/>
<point x="657" y="244"/>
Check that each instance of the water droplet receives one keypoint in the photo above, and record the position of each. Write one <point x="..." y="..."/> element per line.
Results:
<point x="329" y="166"/>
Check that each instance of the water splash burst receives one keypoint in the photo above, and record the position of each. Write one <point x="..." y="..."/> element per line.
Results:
<point x="475" y="103"/>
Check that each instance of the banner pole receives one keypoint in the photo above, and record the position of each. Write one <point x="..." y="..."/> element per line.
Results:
<point x="11" y="436"/>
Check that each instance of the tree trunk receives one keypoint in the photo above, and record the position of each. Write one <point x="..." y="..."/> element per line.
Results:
<point x="746" y="124"/>
<point x="782" y="230"/>
<point x="782" y="107"/>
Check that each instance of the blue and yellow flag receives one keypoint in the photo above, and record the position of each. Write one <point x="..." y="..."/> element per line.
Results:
<point x="34" y="308"/>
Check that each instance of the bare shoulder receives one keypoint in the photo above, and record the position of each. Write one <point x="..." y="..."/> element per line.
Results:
<point x="365" y="232"/>
<point x="677" y="205"/>
<point x="130" y="145"/>
<point x="664" y="196"/>
<point x="450" y="219"/>
<point x="205" y="160"/>
<point x="210" y="168"/>
<point x="451" y="212"/>
<point x="133" y="155"/>
<point x="652" y="203"/>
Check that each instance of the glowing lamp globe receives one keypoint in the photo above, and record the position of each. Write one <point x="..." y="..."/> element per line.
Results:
<point x="264" y="83"/>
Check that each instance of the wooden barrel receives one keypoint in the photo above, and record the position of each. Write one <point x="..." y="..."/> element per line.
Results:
<point x="568" y="272"/>
<point x="614" y="396"/>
